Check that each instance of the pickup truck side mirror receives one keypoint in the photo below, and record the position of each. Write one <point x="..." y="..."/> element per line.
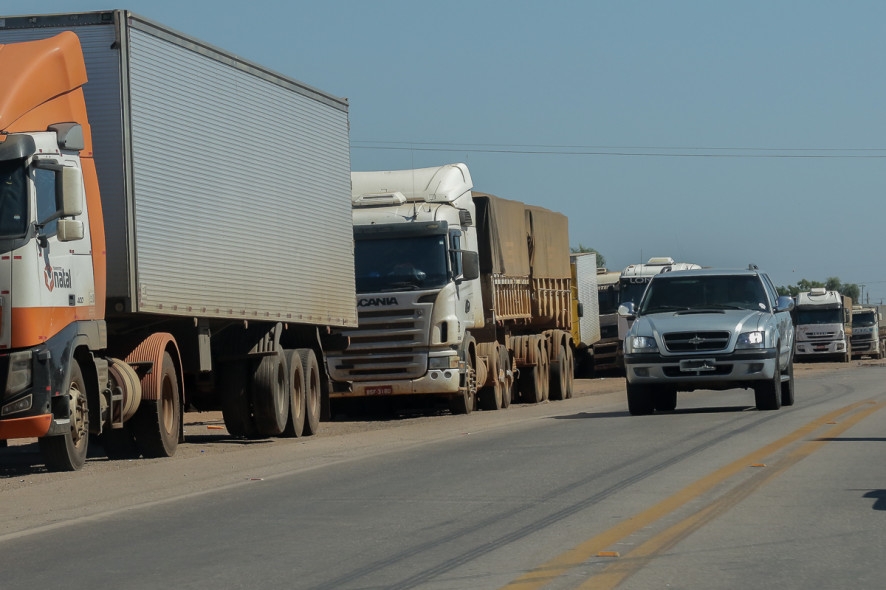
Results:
<point x="627" y="310"/>
<point x="784" y="303"/>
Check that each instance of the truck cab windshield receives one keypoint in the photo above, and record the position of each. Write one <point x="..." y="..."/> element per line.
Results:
<point x="13" y="199"/>
<point x="400" y="264"/>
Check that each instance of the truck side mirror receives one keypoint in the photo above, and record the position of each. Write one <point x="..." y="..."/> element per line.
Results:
<point x="69" y="230"/>
<point x="69" y="192"/>
<point x="470" y="265"/>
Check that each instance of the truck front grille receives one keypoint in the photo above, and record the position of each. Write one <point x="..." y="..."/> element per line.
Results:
<point x="388" y="344"/>
<point x="696" y="341"/>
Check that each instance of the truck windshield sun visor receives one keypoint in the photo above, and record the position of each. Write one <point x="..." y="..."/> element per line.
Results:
<point x="17" y="147"/>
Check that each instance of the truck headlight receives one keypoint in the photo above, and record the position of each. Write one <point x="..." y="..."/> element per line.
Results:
<point x="750" y="340"/>
<point x="19" y="378"/>
<point x="642" y="344"/>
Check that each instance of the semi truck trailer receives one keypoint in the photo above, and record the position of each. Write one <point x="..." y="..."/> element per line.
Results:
<point x="462" y="295"/>
<point x="175" y="230"/>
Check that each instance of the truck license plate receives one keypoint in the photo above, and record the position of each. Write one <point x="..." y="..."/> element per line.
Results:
<point x="698" y="365"/>
<point x="379" y="390"/>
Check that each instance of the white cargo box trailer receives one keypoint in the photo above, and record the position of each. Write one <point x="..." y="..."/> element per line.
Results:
<point x="225" y="186"/>
<point x="223" y="236"/>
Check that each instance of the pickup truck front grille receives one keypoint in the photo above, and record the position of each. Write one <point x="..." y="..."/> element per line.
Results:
<point x="696" y="341"/>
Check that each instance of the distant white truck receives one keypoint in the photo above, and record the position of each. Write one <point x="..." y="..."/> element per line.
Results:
<point x="607" y="349"/>
<point x="631" y="285"/>
<point x="823" y="321"/>
<point x="867" y="338"/>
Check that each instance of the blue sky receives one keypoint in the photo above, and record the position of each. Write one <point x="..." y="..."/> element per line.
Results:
<point x="720" y="133"/>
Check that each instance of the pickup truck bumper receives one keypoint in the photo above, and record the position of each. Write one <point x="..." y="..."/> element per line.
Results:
<point x="702" y="371"/>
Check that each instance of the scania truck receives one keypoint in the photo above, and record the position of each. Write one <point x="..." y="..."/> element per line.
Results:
<point x="175" y="229"/>
<point x="823" y="320"/>
<point x="462" y="295"/>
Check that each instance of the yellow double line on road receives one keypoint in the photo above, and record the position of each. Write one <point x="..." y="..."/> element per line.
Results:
<point x="612" y="575"/>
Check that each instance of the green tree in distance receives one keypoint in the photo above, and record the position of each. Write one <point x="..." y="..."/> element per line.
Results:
<point x="582" y="249"/>
<point x="832" y="284"/>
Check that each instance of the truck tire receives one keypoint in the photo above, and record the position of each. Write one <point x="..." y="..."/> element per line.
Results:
<point x="270" y="394"/>
<point x="639" y="399"/>
<point x="157" y="423"/>
<point x="534" y="380"/>
<point x="767" y="394"/>
<point x="507" y="388"/>
<point x="489" y="397"/>
<point x="464" y="401"/>
<point x="311" y="370"/>
<point x="560" y="372"/>
<point x="664" y="400"/>
<point x="787" y="387"/>
<point x="235" y="400"/>
<point x="295" y="424"/>
<point x="67" y="452"/>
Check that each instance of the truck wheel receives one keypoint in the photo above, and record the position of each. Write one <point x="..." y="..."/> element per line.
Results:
<point x="270" y="394"/>
<point x="157" y="423"/>
<point x="67" y="452"/>
<point x="787" y="387"/>
<point x="639" y="399"/>
<point x="767" y="394"/>
<point x="235" y="402"/>
<point x="312" y="390"/>
<point x="559" y="384"/>
<point x="533" y="382"/>
<point x="463" y="402"/>
<point x="570" y="373"/>
<point x="664" y="400"/>
<point x="295" y="424"/>
<point x="490" y="396"/>
<point x="507" y="387"/>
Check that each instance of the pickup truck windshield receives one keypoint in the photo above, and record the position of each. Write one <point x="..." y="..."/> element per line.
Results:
<point x="13" y="199"/>
<point x="704" y="293"/>
<point x="400" y="264"/>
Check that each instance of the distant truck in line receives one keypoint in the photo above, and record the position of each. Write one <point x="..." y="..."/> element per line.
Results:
<point x="867" y="337"/>
<point x="585" y="310"/>
<point x="631" y="285"/>
<point x="175" y="229"/>
<point x="823" y="322"/>
<point x="606" y="351"/>
<point x="462" y="295"/>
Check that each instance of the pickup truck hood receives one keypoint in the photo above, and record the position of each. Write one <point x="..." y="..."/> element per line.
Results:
<point x="731" y="320"/>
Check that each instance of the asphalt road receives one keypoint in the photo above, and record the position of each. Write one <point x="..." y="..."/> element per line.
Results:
<point x="571" y="494"/>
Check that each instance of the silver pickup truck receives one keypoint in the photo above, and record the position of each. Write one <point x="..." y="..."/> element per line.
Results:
<point x="709" y="329"/>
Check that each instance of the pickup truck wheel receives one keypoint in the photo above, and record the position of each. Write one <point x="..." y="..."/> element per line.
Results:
<point x="787" y="387"/>
<point x="270" y="394"/>
<point x="767" y="394"/>
<point x="639" y="399"/>
<point x="295" y="424"/>
<point x="157" y="422"/>
<point x="665" y="400"/>
<point x="68" y="451"/>
<point x="312" y="390"/>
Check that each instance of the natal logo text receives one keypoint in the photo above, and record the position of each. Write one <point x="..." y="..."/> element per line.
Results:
<point x="56" y="277"/>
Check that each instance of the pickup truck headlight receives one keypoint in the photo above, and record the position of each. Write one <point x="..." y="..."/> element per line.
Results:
<point x="642" y="344"/>
<point x="751" y="340"/>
